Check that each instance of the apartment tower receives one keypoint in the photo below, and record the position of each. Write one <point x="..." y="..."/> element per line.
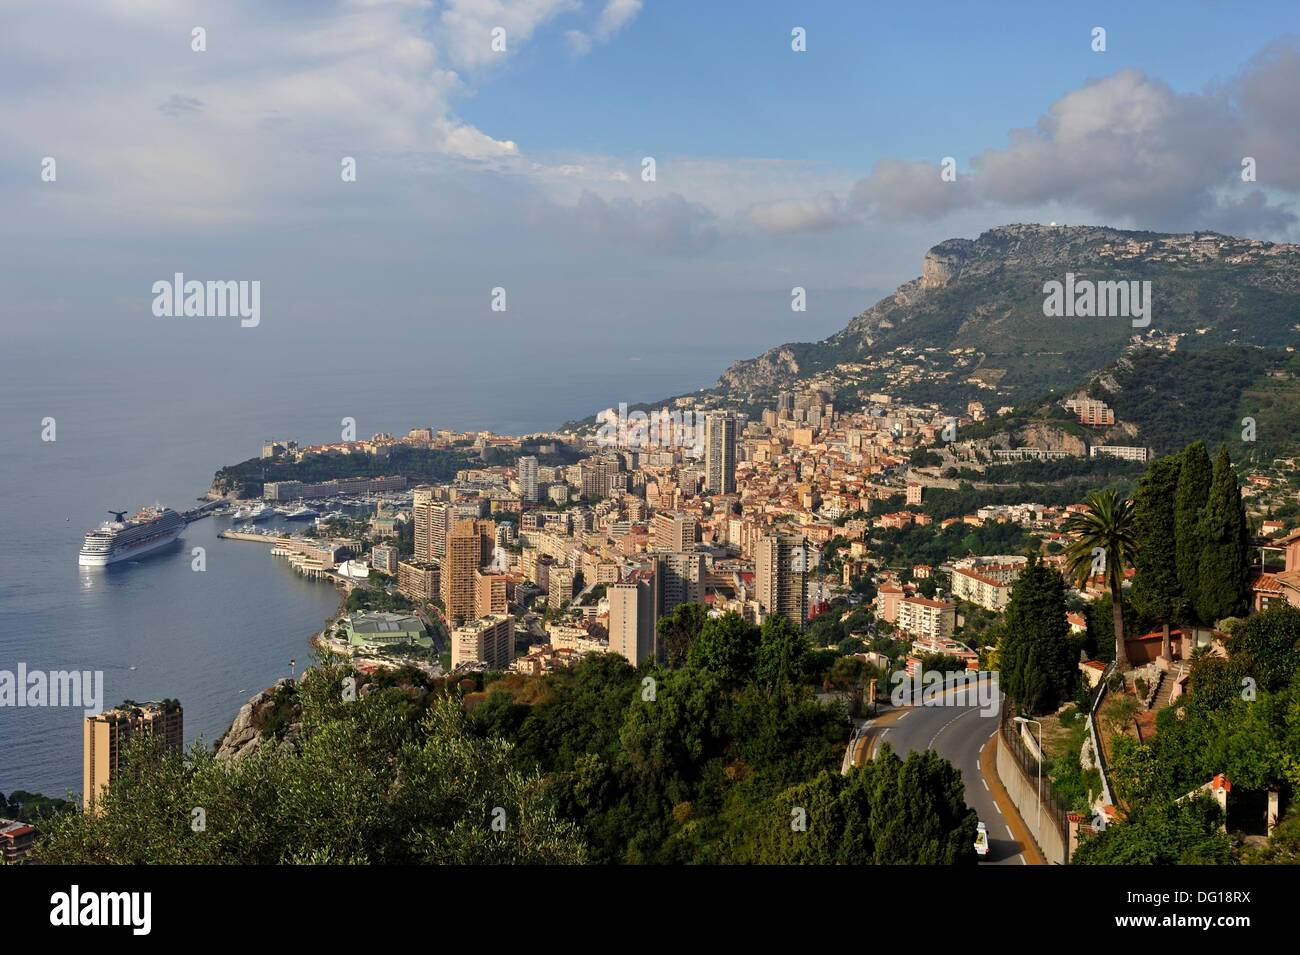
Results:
<point x="781" y="576"/>
<point x="632" y="618"/>
<point x="469" y="546"/>
<point x="104" y="738"/>
<point x="720" y="453"/>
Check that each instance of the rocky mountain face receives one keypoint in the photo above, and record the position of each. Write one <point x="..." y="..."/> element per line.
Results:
<point x="987" y="294"/>
<point x="249" y="732"/>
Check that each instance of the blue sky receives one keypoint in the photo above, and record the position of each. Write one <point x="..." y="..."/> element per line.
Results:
<point x="521" y="169"/>
<point x="879" y="79"/>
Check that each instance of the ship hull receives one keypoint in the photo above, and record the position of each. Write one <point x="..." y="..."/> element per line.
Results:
<point x="130" y="552"/>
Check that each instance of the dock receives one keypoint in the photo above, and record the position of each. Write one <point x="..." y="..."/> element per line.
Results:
<point x="300" y="555"/>
<point x="203" y="510"/>
<point x="243" y="536"/>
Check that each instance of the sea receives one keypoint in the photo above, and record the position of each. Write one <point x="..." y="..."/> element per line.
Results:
<point x="146" y="420"/>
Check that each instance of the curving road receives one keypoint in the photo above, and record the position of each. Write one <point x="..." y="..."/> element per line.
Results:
<point x="958" y="734"/>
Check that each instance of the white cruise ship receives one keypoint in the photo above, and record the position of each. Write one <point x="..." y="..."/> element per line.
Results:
<point x="121" y="539"/>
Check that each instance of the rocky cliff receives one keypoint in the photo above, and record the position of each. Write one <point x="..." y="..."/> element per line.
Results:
<point x="269" y="718"/>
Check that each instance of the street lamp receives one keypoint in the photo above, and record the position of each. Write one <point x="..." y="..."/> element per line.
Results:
<point x="1025" y="719"/>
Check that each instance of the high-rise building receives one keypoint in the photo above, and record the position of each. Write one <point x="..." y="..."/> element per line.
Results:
<point x="597" y="477"/>
<point x="528" y="479"/>
<point x="489" y="640"/>
<point x="105" y="734"/>
<point x="490" y="594"/>
<point x="418" y="580"/>
<point x="433" y="519"/>
<point x="679" y="579"/>
<point x="559" y="589"/>
<point x="632" y="618"/>
<point x="384" y="557"/>
<point x="720" y="453"/>
<point x="469" y="546"/>
<point x="422" y="509"/>
<point x="674" y="531"/>
<point x="440" y="521"/>
<point x="781" y="563"/>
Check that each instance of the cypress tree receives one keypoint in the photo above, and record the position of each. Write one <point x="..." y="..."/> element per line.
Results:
<point x="1157" y="592"/>
<point x="1225" y="546"/>
<point x="1037" y="660"/>
<point x="1189" y="499"/>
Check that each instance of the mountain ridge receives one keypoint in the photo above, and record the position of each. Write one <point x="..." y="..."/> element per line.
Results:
<point x="987" y="293"/>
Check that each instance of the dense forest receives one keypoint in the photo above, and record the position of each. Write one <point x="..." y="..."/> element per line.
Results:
<point x="423" y="465"/>
<point x="1179" y="397"/>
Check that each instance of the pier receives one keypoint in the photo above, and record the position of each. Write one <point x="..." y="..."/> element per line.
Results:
<point x="244" y="536"/>
<point x="203" y="510"/>
<point x="313" y="559"/>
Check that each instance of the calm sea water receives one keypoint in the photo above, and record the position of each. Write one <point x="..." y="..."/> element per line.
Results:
<point x="151" y="420"/>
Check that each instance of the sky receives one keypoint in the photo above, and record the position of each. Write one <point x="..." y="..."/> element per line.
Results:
<point x="522" y="167"/>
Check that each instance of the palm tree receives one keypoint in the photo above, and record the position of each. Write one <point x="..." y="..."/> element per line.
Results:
<point x="1106" y="527"/>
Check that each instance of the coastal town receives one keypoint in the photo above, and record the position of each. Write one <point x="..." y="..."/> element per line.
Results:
<point x="879" y="532"/>
<point x="531" y="565"/>
<point x="640" y="440"/>
<point x="899" y="541"/>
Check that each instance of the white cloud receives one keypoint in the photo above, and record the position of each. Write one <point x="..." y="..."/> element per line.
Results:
<point x="821" y="212"/>
<point x="615" y="15"/>
<point x="579" y="42"/>
<point x="1126" y="148"/>
<point x="467" y="26"/>
<point x="668" y="224"/>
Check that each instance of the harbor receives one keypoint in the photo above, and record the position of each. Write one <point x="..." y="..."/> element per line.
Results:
<point x="315" y="559"/>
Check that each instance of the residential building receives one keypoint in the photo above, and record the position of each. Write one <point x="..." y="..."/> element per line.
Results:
<point x="490" y="593"/>
<point x="720" y="453"/>
<point x="488" y="640"/>
<point x="632" y="618"/>
<point x="417" y="580"/>
<point x="927" y="619"/>
<point x="674" y="531"/>
<point x="1091" y="411"/>
<point x="1123" y="452"/>
<point x="16" y="841"/>
<point x="781" y="563"/>
<point x="988" y="585"/>
<point x="384" y="558"/>
<point x="559" y="589"/>
<point x="888" y="597"/>
<point x="469" y="545"/>
<point x="679" y="579"/>
<point x="104" y="738"/>
<point x="528" y="486"/>
<point x="423" y="511"/>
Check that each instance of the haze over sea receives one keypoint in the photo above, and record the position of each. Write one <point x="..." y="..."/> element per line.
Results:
<point x="148" y="419"/>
